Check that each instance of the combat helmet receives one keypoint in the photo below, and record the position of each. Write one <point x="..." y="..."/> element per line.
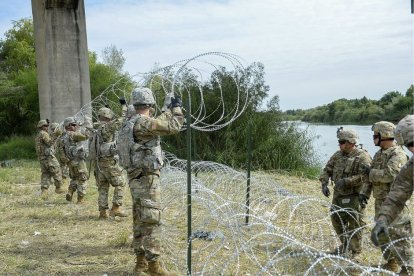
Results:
<point x="385" y="129"/>
<point x="404" y="131"/>
<point x="42" y="123"/>
<point x="54" y="126"/>
<point x="105" y="112"/>
<point x="347" y="134"/>
<point x="68" y="121"/>
<point x="142" y="96"/>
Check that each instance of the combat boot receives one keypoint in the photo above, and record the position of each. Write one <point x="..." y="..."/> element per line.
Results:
<point x="154" y="269"/>
<point x="116" y="211"/>
<point x="141" y="266"/>
<point x="406" y="270"/>
<point x="81" y="199"/>
<point x="44" y="194"/>
<point x="69" y="194"/>
<point x="391" y="265"/>
<point x="59" y="190"/>
<point x="103" y="214"/>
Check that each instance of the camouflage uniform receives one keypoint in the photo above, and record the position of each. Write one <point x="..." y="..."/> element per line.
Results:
<point x="398" y="217"/>
<point x="350" y="167"/>
<point x="48" y="163"/>
<point x="384" y="169"/>
<point x="107" y="170"/>
<point x="140" y="153"/>
<point x="73" y="154"/>
<point x="55" y="129"/>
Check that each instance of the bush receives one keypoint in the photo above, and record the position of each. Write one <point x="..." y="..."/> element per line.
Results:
<point x="18" y="147"/>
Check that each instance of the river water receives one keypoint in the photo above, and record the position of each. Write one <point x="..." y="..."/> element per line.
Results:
<point x="325" y="142"/>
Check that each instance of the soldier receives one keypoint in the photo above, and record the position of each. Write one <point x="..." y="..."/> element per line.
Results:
<point x="48" y="163"/>
<point x="345" y="169"/>
<point x="55" y="128"/>
<point x="140" y="153"/>
<point x="73" y="153"/>
<point x="385" y="167"/>
<point x="107" y="170"/>
<point x="392" y="209"/>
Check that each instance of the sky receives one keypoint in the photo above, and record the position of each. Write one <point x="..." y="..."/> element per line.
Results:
<point x="314" y="51"/>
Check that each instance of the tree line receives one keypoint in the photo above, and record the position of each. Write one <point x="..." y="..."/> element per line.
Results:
<point x="392" y="106"/>
<point x="275" y="144"/>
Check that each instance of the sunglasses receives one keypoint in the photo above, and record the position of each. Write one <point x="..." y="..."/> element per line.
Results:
<point x="375" y="136"/>
<point x="73" y="125"/>
<point x="341" y="142"/>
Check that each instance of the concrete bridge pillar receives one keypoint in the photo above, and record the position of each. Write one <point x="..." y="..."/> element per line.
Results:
<point x="61" y="57"/>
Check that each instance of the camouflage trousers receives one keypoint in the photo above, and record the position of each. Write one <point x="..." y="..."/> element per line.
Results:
<point x="50" y="169"/>
<point x="78" y="176"/>
<point x="397" y="245"/>
<point x="348" y="219"/>
<point x="146" y="199"/>
<point x="65" y="170"/>
<point x="109" y="174"/>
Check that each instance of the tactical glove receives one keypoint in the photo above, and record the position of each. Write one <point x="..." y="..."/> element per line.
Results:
<point x="176" y="102"/>
<point x="380" y="227"/>
<point x="122" y="101"/>
<point x="341" y="183"/>
<point x="325" y="190"/>
<point x="363" y="200"/>
<point x="366" y="169"/>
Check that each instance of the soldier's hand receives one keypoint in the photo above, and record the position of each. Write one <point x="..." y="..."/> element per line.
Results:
<point x="122" y="101"/>
<point x="176" y="102"/>
<point x="341" y="183"/>
<point x="363" y="200"/>
<point x="366" y="169"/>
<point x="380" y="227"/>
<point x="325" y="190"/>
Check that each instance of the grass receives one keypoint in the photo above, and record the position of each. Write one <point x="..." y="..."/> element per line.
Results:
<point x="54" y="237"/>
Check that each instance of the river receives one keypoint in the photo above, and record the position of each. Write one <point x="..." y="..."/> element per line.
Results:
<point x="325" y="142"/>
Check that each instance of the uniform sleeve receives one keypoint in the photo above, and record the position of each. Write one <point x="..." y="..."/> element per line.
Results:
<point x="401" y="191"/>
<point x="327" y="171"/>
<point x="77" y="136"/>
<point x="45" y="138"/>
<point x="170" y="122"/>
<point x="388" y="174"/>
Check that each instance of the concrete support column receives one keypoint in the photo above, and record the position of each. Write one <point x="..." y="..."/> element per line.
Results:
<point x="61" y="57"/>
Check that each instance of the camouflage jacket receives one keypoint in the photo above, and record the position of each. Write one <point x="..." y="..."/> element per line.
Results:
<point x="384" y="169"/>
<point x="147" y="129"/>
<point x="106" y="132"/>
<point x="69" y="145"/>
<point x="401" y="191"/>
<point x="44" y="144"/>
<point x="349" y="166"/>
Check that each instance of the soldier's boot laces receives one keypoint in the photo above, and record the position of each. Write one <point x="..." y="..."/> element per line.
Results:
<point x="59" y="190"/>
<point x="141" y="266"/>
<point x="406" y="270"/>
<point x="103" y="214"/>
<point x="69" y="194"/>
<point x="81" y="199"/>
<point x="116" y="211"/>
<point x="154" y="269"/>
<point x="391" y="265"/>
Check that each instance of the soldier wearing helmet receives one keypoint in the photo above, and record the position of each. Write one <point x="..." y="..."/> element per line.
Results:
<point x="54" y="129"/>
<point x="385" y="167"/>
<point x="48" y="163"/>
<point x="393" y="211"/>
<point x="140" y="153"/>
<point x="345" y="170"/>
<point x="72" y="152"/>
<point x="107" y="170"/>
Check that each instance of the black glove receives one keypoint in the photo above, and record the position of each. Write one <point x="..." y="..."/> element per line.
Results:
<point x="176" y="102"/>
<point x="380" y="227"/>
<point x="363" y="200"/>
<point x="341" y="183"/>
<point x="47" y="121"/>
<point x="122" y="101"/>
<point x="325" y="190"/>
<point x="366" y="169"/>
